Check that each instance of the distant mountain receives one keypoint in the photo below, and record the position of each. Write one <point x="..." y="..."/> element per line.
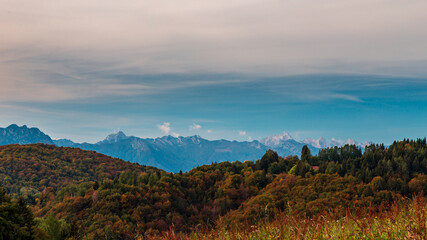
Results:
<point x="318" y="143"/>
<point x="14" y="134"/>
<point x="276" y="140"/>
<point x="323" y="143"/>
<point x="115" y="137"/>
<point x="63" y="142"/>
<point x="285" y="145"/>
<point x="175" y="153"/>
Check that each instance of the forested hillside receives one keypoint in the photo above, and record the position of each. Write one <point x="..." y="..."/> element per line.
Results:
<point x="29" y="169"/>
<point x="97" y="197"/>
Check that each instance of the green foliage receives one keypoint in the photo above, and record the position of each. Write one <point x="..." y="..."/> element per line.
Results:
<point x="55" y="229"/>
<point x="401" y="162"/>
<point x="305" y="154"/>
<point x="16" y="219"/>
<point x="301" y="168"/>
<point x="269" y="157"/>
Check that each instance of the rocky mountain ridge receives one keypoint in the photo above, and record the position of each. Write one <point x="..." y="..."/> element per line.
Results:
<point x="174" y="153"/>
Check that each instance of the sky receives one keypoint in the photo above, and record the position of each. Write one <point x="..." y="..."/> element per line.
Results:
<point x="238" y="70"/>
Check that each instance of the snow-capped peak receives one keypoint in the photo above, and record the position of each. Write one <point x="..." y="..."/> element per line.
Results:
<point x="318" y="143"/>
<point x="274" y="140"/>
<point x="351" y="142"/>
<point x="336" y="142"/>
<point x="364" y="144"/>
<point x="323" y="143"/>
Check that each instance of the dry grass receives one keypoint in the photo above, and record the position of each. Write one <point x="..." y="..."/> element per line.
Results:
<point x="403" y="220"/>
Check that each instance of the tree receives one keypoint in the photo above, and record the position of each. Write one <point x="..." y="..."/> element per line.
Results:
<point x="96" y="185"/>
<point x="56" y="229"/>
<point x="269" y="157"/>
<point x="16" y="219"/>
<point x="302" y="167"/>
<point x="274" y="168"/>
<point x="305" y="153"/>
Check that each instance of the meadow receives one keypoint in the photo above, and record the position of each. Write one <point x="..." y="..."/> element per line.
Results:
<point x="406" y="219"/>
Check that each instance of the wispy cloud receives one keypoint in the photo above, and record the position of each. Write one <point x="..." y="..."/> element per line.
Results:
<point x="346" y="97"/>
<point x="242" y="133"/>
<point x="17" y="107"/>
<point x="159" y="37"/>
<point x="195" y="127"/>
<point x="36" y="84"/>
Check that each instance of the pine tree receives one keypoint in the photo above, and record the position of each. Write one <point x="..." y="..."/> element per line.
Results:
<point x="305" y="154"/>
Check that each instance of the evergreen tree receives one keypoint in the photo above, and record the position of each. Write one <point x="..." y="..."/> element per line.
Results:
<point x="269" y="157"/>
<point x="302" y="167"/>
<point x="16" y="219"/>
<point x="305" y="154"/>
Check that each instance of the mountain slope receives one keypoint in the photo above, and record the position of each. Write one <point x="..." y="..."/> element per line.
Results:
<point x="34" y="167"/>
<point x="22" y="135"/>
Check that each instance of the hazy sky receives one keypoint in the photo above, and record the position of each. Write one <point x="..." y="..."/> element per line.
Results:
<point x="238" y="69"/>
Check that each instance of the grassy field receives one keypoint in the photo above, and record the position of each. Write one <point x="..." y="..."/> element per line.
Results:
<point x="403" y="220"/>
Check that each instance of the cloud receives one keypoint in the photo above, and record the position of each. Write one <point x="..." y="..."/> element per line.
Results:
<point x="195" y="127"/>
<point x="155" y="58"/>
<point x="44" y="59"/>
<point x="287" y="37"/>
<point x="209" y="131"/>
<point x="346" y="97"/>
<point x="242" y="133"/>
<point x="164" y="128"/>
<point x="174" y="134"/>
<point x="40" y="81"/>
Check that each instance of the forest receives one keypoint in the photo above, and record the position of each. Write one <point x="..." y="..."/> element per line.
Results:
<point x="53" y="192"/>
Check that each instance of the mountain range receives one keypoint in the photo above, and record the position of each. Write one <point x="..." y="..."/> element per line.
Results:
<point x="23" y="135"/>
<point x="175" y="153"/>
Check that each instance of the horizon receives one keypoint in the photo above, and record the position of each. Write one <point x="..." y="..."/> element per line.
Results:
<point x="285" y="134"/>
<point x="240" y="70"/>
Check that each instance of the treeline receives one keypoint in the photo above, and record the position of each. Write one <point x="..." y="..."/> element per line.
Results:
<point x="110" y="198"/>
<point x="396" y="168"/>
